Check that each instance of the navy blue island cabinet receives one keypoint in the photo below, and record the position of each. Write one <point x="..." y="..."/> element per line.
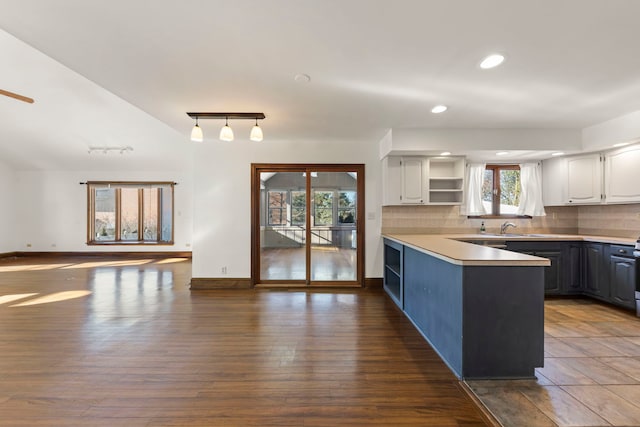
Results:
<point x="486" y="321"/>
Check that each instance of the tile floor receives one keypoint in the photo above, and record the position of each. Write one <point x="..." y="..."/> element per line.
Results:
<point x="591" y="373"/>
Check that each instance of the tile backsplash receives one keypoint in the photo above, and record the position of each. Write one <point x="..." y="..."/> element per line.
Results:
<point x="602" y="220"/>
<point x="610" y="220"/>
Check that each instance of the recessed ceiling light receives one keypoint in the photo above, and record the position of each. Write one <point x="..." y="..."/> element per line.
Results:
<point x="439" y="109"/>
<point x="557" y="153"/>
<point x="492" y="61"/>
<point x="502" y="153"/>
<point x="445" y="153"/>
<point x="620" y="144"/>
<point x="302" y="78"/>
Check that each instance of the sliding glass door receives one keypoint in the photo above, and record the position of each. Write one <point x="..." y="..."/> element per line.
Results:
<point x="307" y="227"/>
<point x="283" y="234"/>
<point x="333" y="241"/>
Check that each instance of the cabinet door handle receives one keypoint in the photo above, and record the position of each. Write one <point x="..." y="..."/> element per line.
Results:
<point x="622" y="251"/>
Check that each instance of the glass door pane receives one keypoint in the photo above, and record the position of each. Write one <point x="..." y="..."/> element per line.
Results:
<point x="333" y="226"/>
<point x="129" y="214"/>
<point x="283" y="226"/>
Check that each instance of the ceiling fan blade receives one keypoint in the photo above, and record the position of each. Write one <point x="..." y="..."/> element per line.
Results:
<point x="16" y="96"/>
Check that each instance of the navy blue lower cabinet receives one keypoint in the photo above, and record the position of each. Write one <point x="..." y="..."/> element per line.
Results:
<point x="484" y="321"/>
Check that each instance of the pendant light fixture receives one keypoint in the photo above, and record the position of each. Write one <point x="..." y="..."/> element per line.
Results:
<point x="226" y="133"/>
<point x="196" y="132"/>
<point x="256" y="132"/>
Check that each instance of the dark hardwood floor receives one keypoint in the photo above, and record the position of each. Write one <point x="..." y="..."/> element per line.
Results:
<point x="96" y="342"/>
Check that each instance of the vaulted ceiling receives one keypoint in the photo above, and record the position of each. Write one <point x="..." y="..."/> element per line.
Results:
<point x="125" y="72"/>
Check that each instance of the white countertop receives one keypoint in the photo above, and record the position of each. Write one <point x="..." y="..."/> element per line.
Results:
<point x="450" y="248"/>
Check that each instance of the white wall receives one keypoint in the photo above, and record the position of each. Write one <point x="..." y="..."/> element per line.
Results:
<point x="7" y="208"/>
<point x="222" y="199"/>
<point x="52" y="208"/>
<point x="603" y="135"/>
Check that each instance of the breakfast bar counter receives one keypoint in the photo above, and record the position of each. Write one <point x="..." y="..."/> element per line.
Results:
<point x="480" y="308"/>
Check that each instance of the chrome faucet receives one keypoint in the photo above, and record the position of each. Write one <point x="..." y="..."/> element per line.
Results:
<point x="503" y="227"/>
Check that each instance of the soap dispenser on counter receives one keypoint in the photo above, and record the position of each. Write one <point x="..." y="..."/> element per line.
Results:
<point x="482" y="228"/>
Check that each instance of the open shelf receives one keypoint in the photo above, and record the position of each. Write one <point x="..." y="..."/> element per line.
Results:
<point x="393" y="271"/>
<point x="446" y="181"/>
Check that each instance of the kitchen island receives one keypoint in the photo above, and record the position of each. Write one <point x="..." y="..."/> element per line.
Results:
<point x="480" y="308"/>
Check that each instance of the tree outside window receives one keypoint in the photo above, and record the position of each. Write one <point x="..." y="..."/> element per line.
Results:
<point x="323" y="207"/>
<point x="298" y="207"/>
<point x="277" y="202"/>
<point x="346" y="207"/>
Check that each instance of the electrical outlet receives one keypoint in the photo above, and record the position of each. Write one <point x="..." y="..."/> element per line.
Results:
<point x="28" y="245"/>
<point x="188" y="245"/>
<point x="224" y="270"/>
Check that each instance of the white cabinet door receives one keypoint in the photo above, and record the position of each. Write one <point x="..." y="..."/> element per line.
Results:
<point x="412" y="176"/>
<point x="391" y="181"/>
<point x="621" y="171"/>
<point x="585" y="179"/>
<point x="554" y="181"/>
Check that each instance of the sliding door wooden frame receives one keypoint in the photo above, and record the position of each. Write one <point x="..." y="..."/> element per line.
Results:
<point x="257" y="169"/>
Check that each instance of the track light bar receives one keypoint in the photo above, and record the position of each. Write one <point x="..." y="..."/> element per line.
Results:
<point x="226" y="133"/>
<point x="232" y="116"/>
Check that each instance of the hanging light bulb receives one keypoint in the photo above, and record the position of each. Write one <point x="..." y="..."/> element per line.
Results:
<point x="196" y="133"/>
<point x="226" y="133"/>
<point x="256" y="132"/>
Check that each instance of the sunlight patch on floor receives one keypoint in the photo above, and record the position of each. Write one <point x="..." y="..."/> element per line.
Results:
<point x="32" y="267"/>
<point x="171" y="260"/>
<point x="4" y="299"/>
<point x="55" y="297"/>
<point x="108" y="264"/>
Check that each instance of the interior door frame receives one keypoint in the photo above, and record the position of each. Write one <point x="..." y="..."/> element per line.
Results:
<point x="256" y="170"/>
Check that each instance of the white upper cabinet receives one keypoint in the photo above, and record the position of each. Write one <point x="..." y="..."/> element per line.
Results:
<point x="554" y="181"/>
<point x="415" y="180"/>
<point x="584" y="184"/>
<point x="391" y="181"/>
<point x="592" y="178"/>
<point x="621" y="170"/>
<point x="412" y="180"/>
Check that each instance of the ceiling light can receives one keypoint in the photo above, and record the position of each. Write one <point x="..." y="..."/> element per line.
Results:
<point x="302" y="78"/>
<point x="439" y="109"/>
<point x="492" y="61"/>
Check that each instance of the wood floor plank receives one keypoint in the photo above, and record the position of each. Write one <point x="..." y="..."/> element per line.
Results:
<point x="562" y="408"/>
<point x="631" y="393"/>
<point x="598" y="371"/>
<point x="511" y="408"/>
<point x="607" y="404"/>
<point x="627" y="365"/>
<point x="125" y="343"/>
<point x="554" y="347"/>
<point x="591" y="347"/>
<point x="561" y="374"/>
